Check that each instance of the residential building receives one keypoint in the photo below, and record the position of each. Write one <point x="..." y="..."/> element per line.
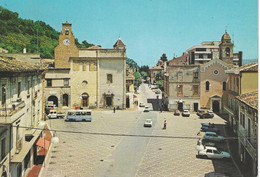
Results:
<point x="248" y="131"/>
<point x="223" y="50"/>
<point x="21" y="109"/>
<point x="157" y="72"/>
<point x="240" y="80"/>
<point x="87" y="77"/>
<point x="182" y="87"/>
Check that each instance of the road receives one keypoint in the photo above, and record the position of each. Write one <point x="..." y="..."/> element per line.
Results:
<point x="87" y="155"/>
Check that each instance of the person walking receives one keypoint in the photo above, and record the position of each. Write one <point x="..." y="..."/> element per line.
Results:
<point x="114" y="109"/>
<point x="164" y="124"/>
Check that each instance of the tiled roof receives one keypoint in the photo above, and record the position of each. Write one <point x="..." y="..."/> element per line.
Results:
<point x="119" y="42"/>
<point x="250" y="98"/>
<point x="248" y="67"/>
<point x="95" y="47"/>
<point x="12" y="65"/>
<point x="156" y="67"/>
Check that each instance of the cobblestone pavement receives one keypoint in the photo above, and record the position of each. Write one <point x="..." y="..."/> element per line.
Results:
<point x="177" y="157"/>
<point x="80" y="154"/>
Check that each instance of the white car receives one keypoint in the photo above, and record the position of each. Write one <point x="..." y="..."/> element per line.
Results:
<point x="52" y="114"/>
<point x="148" y="123"/>
<point x="213" y="152"/>
<point x="186" y="113"/>
<point x="141" y="104"/>
<point x="146" y="109"/>
<point x="210" y="113"/>
<point x="212" y="136"/>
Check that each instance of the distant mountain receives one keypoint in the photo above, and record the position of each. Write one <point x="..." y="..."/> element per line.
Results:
<point x="246" y="61"/>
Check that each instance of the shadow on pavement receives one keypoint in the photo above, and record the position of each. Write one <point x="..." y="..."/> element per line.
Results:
<point x="156" y="103"/>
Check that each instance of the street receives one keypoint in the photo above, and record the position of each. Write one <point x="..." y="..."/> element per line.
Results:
<point x="80" y="154"/>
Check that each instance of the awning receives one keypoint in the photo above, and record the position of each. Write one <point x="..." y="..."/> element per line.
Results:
<point x="42" y="142"/>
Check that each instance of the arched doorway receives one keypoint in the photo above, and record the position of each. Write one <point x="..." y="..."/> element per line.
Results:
<point x="215" y="106"/>
<point x="65" y="100"/>
<point x="85" y="97"/>
<point x="54" y="99"/>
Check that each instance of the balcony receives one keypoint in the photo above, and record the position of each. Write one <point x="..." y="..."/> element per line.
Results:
<point x="202" y="59"/>
<point x="202" y="52"/>
<point x="250" y="144"/>
<point x="12" y="111"/>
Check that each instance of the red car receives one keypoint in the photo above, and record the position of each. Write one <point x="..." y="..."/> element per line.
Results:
<point x="177" y="112"/>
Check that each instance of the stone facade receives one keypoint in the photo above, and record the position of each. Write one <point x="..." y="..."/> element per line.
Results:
<point x="94" y="77"/>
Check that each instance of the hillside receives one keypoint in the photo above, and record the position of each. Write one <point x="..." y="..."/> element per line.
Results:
<point x="37" y="37"/>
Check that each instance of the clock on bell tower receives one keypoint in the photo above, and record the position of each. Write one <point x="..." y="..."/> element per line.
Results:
<point x="66" y="47"/>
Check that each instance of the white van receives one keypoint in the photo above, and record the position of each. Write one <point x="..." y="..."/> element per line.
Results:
<point x="52" y="114"/>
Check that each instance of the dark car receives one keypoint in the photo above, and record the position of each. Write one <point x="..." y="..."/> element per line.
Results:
<point x="177" y="112"/>
<point x="200" y="112"/>
<point x="210" y="129"/>
<point x="206" y="115"/>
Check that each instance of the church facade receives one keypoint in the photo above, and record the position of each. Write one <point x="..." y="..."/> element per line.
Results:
<point x="87" y="77"/>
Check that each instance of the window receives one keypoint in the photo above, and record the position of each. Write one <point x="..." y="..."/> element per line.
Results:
<point x="224" y="85"/>
<point x="215" y="72"/>
<point x="200" y="49"/>
<point x="66" y="31"/>
<point x="2" y="149"/>
<point x="227" y="51"/>
<point x="242" y="119"/>
<point x="109" y="78"/>
<point x="196" y="75"/>
<point x="200" y="56"/>
<point x="49" y="82"/>
<point x="66" y="82"/>
<point x="3" y="95"/>
<point x="19" y="89"/>
<point x="179" y="90"/>
<point x="195" y="90"/>
<point x="28" y="87"/>
<point x="209" y="56"/>
<point x="207" y="86"/>
<point x="230" y="83"/>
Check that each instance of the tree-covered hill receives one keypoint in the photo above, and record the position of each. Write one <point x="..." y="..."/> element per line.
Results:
<point x="37" y="37"/>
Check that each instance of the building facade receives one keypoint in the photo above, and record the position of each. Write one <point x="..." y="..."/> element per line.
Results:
<point x="240" y="80"/>
<point x="88" y="77"/>
<point x="21" y="109"/>
<point x="248" y="131"/>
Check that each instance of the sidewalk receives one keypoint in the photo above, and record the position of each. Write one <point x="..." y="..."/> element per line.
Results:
<point x="233" y="145"/>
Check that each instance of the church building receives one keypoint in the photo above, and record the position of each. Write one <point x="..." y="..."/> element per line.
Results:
<point x="87" y="77"/>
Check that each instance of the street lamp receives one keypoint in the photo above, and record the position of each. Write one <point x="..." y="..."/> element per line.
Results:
<point x="55" y="139"/>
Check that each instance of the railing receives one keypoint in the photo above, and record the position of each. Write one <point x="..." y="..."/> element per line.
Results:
<point x="249" y="143"/>
<point x="11" y="109"/>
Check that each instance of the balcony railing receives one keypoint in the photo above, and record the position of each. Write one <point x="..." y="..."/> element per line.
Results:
<point x="249" y="143"/>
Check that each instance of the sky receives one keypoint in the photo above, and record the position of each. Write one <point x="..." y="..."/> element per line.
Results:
<point x="149" y="28"/>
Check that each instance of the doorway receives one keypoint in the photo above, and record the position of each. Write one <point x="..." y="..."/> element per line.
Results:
<point x="195" y="106"/>
<point x="108" y="101"/>
<point x="215" y="106"/>
<point x="127" y="102"/>
<point x="180" y="106"/>
<point x="54" y="99"/>
<point x="65" y="100"/>
<point x="85" y="97"/>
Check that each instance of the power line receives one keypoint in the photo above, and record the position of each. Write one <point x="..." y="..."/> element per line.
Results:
<point x="127" y="135"/>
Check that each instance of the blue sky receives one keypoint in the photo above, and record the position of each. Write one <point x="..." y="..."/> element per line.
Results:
<point x="149" y="27"/>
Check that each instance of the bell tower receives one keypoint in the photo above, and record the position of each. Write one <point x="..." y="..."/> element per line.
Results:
<point x="66" y="47"/>
<point x="226" y="49"/>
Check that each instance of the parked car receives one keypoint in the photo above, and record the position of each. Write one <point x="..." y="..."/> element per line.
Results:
<point x="211" y="113"/>
<point x="141" y="104"/>
<point x="200" y="112"/>
<point x="146" y="109"/>
<point x="157" y="91"/>
<point x="186" y="113"/>
<point x="208" y="124"/>
<point x="60" y="115"/>
<point x="215" y="174"/>
<point x="177" y="112"/>
<point x="210" y="129"/>
<point x="213" y="152"/>
<point x="148" y="123"/>
<point x="206" y="115"/>
<point x="52" y="114"/>
<point x="212" y="136"/>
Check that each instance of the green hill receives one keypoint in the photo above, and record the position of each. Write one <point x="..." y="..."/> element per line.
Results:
<point x="38" y="37"/>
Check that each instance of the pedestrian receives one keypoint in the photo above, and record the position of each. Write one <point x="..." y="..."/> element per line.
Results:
<point x="164" y="124"/>
<point x="160" y="109"/>
<point x="114" y="109"/>
<point x="199" y="142"/>
<point x="198" y="133"/>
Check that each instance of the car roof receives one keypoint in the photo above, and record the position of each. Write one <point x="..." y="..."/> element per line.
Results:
<point x="211" y="133"/>
<point x="210" y="147"/>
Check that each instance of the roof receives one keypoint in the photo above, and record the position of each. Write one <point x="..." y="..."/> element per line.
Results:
<point x="250" y="67"/>
<point x="225" y="36"/>
<point x="157" y="67"/>
<point x="119" y="43"/>
<point x="250" y="99"/>
<point x="95" y="47"/>
<point x="211" y="133"/>
<point x="12" y="65"/>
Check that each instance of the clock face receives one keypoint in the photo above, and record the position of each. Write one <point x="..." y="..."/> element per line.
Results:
<point x="66" y="42"/>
